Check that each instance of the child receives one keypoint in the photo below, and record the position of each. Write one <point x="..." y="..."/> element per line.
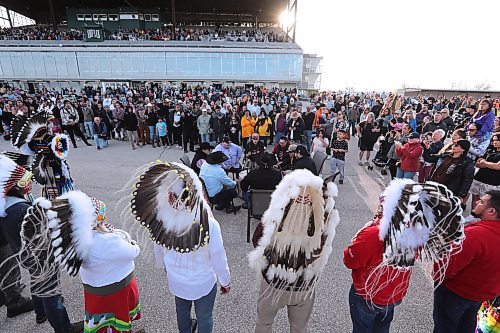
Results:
<point x="339" y="147"/>
<point x="161" y="129"/>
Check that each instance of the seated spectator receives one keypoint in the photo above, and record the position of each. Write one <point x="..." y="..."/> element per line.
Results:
<point x="200" y="156"/>
<point x="100" y="133"/>
<point x="265" y="177"/>
<point x="233" y="153"/>
<point x="253" y="149"/>
<point x="280" y="150"/>
<point x="303" y="160"/>
<point x="455" y="170"/>
<point x="221" y="190"/>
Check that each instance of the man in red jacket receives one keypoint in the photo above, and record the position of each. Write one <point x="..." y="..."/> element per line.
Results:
<point x="410" y="155"/>
<point x="473" y="274"/>
<point x="372" y="301"/>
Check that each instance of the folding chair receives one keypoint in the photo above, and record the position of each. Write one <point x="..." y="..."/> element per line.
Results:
<point x="208" y="198"/>
<point x="185" y="160"/>
<point x="258" y="202"/>
<point x="319" y="159"/>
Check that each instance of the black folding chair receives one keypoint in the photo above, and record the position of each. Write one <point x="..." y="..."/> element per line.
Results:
<point x="258" y="202"/>
<point x="210" y="202"/>
<point x="319" y="159"/>
<point x="185" y="160"/>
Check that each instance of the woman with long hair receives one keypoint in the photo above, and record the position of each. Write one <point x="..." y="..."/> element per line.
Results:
<point x="484" y="117"/>
<point x="368" y="133"/>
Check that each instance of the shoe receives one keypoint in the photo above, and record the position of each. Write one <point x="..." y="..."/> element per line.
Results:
<point x="74" y="146"/>
<point x="360" y="163"/>
<point x="217" y="207"/>
<point x="40" y="319"/>
<point x="194" y="325"/>
<point x="233" y="209"/>
<point x="341" y="181"/>
<point x="133" y="147"/>
<point x="98" y="148"/>
<point x="23" y="305"/>
<point x="244" y="205"/>
<point x="88" y="144"/>
<point x="77" y="327"/>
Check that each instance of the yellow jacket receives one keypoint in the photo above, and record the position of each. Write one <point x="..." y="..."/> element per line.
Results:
<point x="263" y="126"/>
<point x="247" y="126"/>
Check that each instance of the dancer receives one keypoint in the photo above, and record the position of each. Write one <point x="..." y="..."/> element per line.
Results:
<point x="415" y="222"/>
<point x="169" y="201"/>
<point x="31" y="136"/>
<point x="297" y="234"/>
<point x="73" y="231"/>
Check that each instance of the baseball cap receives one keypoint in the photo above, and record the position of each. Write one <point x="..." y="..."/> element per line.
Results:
<point x="414" y="135"/>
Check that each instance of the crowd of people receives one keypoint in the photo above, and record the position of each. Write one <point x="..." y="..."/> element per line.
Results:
<point x="158" y="34"/>
<point x="442" y="140"/>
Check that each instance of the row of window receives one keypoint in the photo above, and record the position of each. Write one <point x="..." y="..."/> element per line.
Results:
<point x="116" y="17"/>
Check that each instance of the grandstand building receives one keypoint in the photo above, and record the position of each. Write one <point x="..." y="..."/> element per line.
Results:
<point x="235" y="43"/>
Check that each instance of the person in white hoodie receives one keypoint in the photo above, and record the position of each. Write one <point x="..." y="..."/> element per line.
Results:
<point x="169" y="201"/>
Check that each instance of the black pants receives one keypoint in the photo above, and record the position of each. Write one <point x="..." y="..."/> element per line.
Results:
<point x="75" y="129"/>
<point x="236" y="171"/>
<point x="188" y="137"/>
<point x="223" y="198"/>
<point x="177" y="135"/>
<point x="170" y="134"/>
<point x="393" y="167"/>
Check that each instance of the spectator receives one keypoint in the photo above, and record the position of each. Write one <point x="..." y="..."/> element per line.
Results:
<point x="263" y="127"/>
<point x="435" y="124"/>
<point x="218" y="125"/>
<point x="233" y="127"/>
<point x="339" y="147"/>
<point x="422" y="114"/>
<point x="151" y="121"/>
<point x="247" y="127"/>
<point x="367" y="134"/>
<point x="233" y="153"/>
<point x="100" y="133"/>
<point x="203" y="124"/>
<point x="450" y="125"/>
<point x="308" y="127"/>
<point x="177" y="126"/>
<point x="488" y="176"/>
<point x="118" y="117"/>
<point x="189" y="132"/>
<point x="410" y="154"/>
<point x="295" y="127"/>
<point x="88" y="117"/>
<point x="130" y="124"/>
<point x="70" y="123"/>
<point x="161" y="132"/>
<point x="432" y="144"/>
<point x="320" y="143"/>
<point x="478" y="145"/>
<point x="221" y="190"/>
<point x="353" y="117"/>
<point x="280" y="125"/>
<point x="200" y="156"/>
<point x="484" y="117"/>
<point x="302" y="160"/>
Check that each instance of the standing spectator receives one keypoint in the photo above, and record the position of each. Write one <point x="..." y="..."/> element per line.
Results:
<point x="177" y="126"/>
<point x="455" y="170"/>
<point x="295" y="127"/>
<point x="339" y="147"/>
<point x="118" y="117"/>
<point x="130" y="123"/>
<point x="70" y="119"/>
<point x="161" y="131"/>
<point x="247" y="127"/>
<point x="435" y="124"/>
<point x="233" y="127"/>
<point x="409" y="154"/>
<point x="142" y="124"/>
<point x="430" y="154"/>
<point x="320" y="143"/>
<point x="484" y="117"/>
<point x="218" y="125"/>
<point x="352" y="117"/>
<point x="386" y="119"/>
<point x="422" y="114"/>
<point x="100" y="133"/>
<point x="203" y="124"/>
<point x="280" y="125"/>
<point x="109" y="115"/>
<point x="308" y="127"/>
<point x="339" y="124"/>
<point x="410" y="119"/>
<point x="367" y="134"/>
<point x="458" y="298"/>
<point x="88" y="117"/>
<point x="151" y="121"/>
<point x="188" y="130"/>
<point x="488" y="176"/>
<point x="263" y="126"/>
<point x="450" y="125"/>
<point x="478" y="145"/>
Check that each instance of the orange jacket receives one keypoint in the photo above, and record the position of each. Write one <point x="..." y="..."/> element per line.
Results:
<point x="247" y="127"/>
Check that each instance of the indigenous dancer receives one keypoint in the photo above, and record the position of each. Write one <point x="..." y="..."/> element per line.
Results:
<point x="81" y="241"/>
<point x="169" y="202"/>
<point x="33" y="136"/>
<point x="415" y="222"/>
<point x="297" y="234"/>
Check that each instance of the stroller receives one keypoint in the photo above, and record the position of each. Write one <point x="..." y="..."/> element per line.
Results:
<point x="381" y="159"/>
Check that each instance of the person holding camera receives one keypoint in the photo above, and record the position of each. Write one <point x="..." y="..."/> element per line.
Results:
<point x="70" y="118"/>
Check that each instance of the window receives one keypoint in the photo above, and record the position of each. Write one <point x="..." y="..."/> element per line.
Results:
<point x="113" y="17"/>
<point x="95" y="17"/>
<point x="88" y="17"/>
<point x="155" y="17"/>
<point x="141" y="17"/>
<point x="103" y="17"/>
<point x="80" y="17"/>
<point x="129" y="16"/>
<point x="147" y="17"/>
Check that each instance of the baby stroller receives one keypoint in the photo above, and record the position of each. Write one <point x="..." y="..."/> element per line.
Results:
<point x="381" y="159"/>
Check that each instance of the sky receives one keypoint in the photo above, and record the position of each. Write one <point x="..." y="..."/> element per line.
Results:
<point x="383" y="45"/>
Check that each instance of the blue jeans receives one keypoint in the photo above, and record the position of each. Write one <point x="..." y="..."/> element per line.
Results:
<point x="452" y="313"/>
<point x="308" y="135"/>
<point x="405" y="174"/>
<point x="152" y="133"/>
<point x="203" y="308"/>
<point x="278" y="136"/>
<point x="205" y="137"/>
<point x="100" y="142"/>
<point x="89" y="128"/>
<point x="55" y="311"/>
<point x="352" y="125"/>
<point x="367" y="317"/>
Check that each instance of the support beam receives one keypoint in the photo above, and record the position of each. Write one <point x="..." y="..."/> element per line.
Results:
<point x="9" y="17"/>
<point x="174" y="22"/>
<point x="52" y="14"/>
<point x="292" y="7"/>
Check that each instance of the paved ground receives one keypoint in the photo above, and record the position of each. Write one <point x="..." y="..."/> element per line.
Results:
<point x="103" y="173"/>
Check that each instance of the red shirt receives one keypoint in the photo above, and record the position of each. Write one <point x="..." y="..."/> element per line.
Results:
<point x="474" y="272"/>
<point x="410" y="154"/>
<point x="363" y="256"/>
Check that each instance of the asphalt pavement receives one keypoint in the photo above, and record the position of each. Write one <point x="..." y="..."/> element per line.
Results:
<point x="103" y="174"/>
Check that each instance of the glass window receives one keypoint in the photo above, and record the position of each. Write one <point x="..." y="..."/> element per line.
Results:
<point x="80" y="17"/>
<point x="113" y="17"/>
<point x="95" y="17"/>
<point x="155" y="17"/>
<point x="147" y="17"/>
<point x="103" y="17"/>
<point x="88" y="17"/>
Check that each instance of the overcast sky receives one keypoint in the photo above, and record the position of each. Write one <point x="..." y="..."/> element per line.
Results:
<point x="383" y="44"/>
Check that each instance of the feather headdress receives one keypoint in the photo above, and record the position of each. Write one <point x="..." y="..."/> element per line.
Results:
<point x="12" y="174"/>
<point x="25" y="129"/>
<point x="168" y="200"/>
<point x="298" y="231"/>
<point x="419" y="222"/>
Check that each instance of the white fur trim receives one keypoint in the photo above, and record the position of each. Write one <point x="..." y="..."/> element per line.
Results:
<point x="7" y="166"/>
<point x="83" y="215"/>
<point x="391" y="197"/>
<point x="44" y="203"/>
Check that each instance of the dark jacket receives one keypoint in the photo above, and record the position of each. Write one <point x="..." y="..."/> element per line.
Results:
<point x="198" y="157"/>
<point x="218" y="125"/>
<point x="130" y="121"/>
<point x="305" y="163"/>
<point x="460" y="175"/>
<point x="308" y="120"/>
<point x="254" y="149"/>
<point x="295" y="134"/>
<point x="261" y="179"/>
<point x="100" y="130"/>
<point x="431" y="155"/>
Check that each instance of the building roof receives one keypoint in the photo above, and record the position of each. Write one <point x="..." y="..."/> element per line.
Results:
<point x="267" y="11"/>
